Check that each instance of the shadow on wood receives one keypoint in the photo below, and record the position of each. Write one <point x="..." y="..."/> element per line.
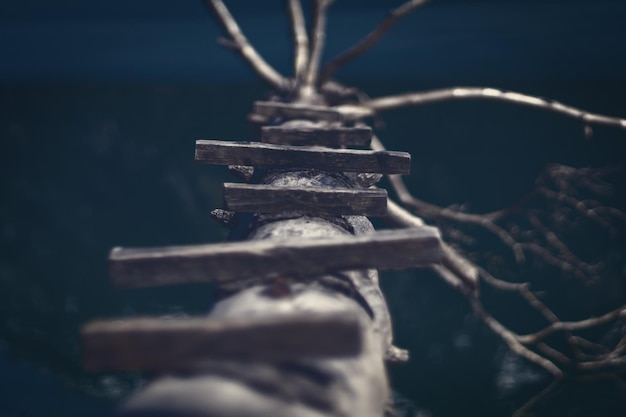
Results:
<point x="169" y="344"/>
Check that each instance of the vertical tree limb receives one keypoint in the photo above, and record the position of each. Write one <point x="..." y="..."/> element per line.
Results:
<point x="300" y="38"/>
<point x="318" y="37"/>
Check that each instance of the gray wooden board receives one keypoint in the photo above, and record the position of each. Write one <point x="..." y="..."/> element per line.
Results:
<point x="291" y="157"/>
<point x="257" y="198"/>
<point x="162" y="344"/>
<point x="333" y="137"/>
<point x="224" y="262"/>
<point x="296" y="111"/>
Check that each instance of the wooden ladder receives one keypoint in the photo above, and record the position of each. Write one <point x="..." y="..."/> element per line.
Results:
<point x="319" y="150"/>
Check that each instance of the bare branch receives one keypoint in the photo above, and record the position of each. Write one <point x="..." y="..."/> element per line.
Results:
<point x="558" y="262"/>
<point x="619" y="362"/>
<point x="555" y="252"/>
<point x="581" y="206"/>
<point x="510" y="338"/>
<point x="541" y="354"/>
<point x="300" y="38"/>
<point x="573" y="325"/>
<point x="243" y="46"/>
<point x="318" y="36"/>
<point x="565" y="259"/>
<point x="522" y="289"/>
<point x="538" y="305"/>
<point x="369" y="108"/>
<point x="370" y="39"/>
<point x="453" y="261"/>
<point x="513" y="340"/>
<point x="500" y="284"/>
<point x="549" y="235"/>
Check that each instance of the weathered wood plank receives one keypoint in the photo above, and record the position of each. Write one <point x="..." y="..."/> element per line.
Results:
<point x="333" y="137"/>
<point x="158" y="344"/>
<point x="258" y="198"/>
<point x="224" y="262"/>
<point x="272" y="109"/>
<point x="286" y="157"/>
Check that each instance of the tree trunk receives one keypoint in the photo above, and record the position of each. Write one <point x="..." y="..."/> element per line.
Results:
<point x="352" y="386"/>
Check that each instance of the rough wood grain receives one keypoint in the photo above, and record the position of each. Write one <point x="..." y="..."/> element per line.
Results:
<point x="292" y="157"/>
<point x="158" y="344"/>
<point x="223" y="262"/>
<point x="258" y="198"/>
<point x="333" y="137"/>
<point x="272" y="109"/>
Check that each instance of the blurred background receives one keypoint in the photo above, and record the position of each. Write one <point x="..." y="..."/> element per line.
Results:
<point x="100" y="105"/>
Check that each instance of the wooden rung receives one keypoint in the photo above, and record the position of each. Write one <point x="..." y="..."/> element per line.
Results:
<point x="254" y="198"/>
<point x="287" y="111"/>
<point x="167" y="344"/>
<point x="289" y="157"/>
<point x="333" y="137"/>
<point x="232" y="261"/>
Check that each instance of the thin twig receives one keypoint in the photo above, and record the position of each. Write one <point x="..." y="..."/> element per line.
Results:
<point x="573" y="325"/>
<point x="369" y="108"/>
<point x="500" y="284"/>
<point x="550" y="236"/>
<point x="243" y="46"/>
<point x="300" y="38"/>
<point x="370" y="39"/>
<point x="553" y="353"/>
<point x="579" y="206"/>
<point x="522" y="289"/>
<point x="582" y="269"/>
<point x="560" y="263"/>
<point x="513" y="340"/>
<point x="538" y="305"/>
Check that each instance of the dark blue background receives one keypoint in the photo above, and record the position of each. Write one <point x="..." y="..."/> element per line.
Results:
<point x="175" y="40"/>
<point x="100" y="104"/>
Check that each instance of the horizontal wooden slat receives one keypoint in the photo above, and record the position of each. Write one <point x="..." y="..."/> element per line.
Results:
<point x="158" y="344"/>
<point x="223" y="262"/>
<point x="333" y="137"/>
<point x="283" y="156"/>
<point x="288" y="111"/>
<point x="257" y="198"/>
